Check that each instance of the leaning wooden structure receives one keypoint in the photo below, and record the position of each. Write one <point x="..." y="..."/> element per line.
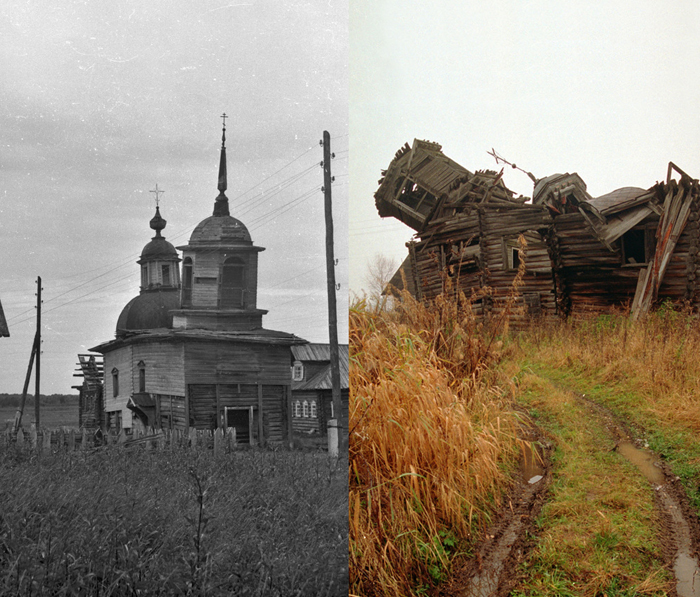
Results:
<point x="630" y="248"/>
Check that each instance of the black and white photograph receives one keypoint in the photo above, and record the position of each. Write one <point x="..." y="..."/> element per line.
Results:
<point x="174" y="371"/>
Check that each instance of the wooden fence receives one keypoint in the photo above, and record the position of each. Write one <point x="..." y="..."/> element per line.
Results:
<point x="49" y="441"/>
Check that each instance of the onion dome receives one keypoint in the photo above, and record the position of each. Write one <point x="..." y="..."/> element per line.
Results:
<point x="158" y="248"/>
<point x="148" y="311"/>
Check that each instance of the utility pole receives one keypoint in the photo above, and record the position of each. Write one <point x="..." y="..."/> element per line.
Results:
<point x="37" y="372"/>
<point x="36" y="351"/>
<point x="333" y="424"/>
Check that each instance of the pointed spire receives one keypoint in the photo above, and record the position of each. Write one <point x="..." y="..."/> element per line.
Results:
<point x="221" y="203"/>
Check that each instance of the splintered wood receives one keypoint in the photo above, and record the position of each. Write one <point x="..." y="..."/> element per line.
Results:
<point x="630" y="248"/>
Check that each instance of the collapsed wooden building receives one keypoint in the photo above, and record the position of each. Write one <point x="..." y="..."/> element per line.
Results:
<point x="630" y="248"/>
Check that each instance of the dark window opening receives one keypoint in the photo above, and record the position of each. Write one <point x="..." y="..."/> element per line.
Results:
<point x="233" y="284"/>
<point x="142" y="377"/>
<point x="115" y="382"/>
<point x="634" y="247"/>
<point x="187" y="281"/>
<point x="165" y="269"/>
<point x="514" y="258"/>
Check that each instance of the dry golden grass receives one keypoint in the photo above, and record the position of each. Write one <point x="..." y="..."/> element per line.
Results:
<point x="431" y="442"/>
<point x="655" y="358"/>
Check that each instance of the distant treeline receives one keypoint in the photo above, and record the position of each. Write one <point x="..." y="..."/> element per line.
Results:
<point x="14" y="399"/>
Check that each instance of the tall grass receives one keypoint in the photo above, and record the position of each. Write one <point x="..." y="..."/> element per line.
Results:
<point x="656" y="358"/>
<point x="117" y="523"/>
<point x="432" y="440"/>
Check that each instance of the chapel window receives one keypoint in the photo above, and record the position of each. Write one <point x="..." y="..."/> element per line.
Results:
<point x="233" y="284"/>
<point x="187" y="282"/>
<point x="142" y="376"/>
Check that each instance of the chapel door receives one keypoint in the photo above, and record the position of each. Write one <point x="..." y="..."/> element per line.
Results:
<point x="241" y="420"/>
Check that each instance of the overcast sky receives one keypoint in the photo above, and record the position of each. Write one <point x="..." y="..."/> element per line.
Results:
<point x="102" y="100"/>
<point x="606" y="89"/>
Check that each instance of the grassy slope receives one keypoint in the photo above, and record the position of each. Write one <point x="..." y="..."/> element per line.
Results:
<point x="110" y="522"/>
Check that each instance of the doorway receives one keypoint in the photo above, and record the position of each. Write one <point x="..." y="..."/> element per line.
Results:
<point x="241" y="419"/>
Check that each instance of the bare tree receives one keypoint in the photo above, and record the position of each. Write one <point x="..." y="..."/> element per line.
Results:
<point x="380" y="269"/>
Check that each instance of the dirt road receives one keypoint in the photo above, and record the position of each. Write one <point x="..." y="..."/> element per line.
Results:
<point x="595" y="513"/>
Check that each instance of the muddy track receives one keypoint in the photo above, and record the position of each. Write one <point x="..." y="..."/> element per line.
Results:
<point x="679" y="525"/>
<point x="493" y="572"/>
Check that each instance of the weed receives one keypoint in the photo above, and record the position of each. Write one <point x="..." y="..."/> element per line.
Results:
<point x="249" y="523"/>
<point x="432" y="444"/>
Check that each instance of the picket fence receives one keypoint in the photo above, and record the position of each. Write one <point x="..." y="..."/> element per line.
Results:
<point x="48" y="441"/>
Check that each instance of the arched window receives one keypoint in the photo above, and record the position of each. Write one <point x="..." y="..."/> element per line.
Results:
<point x="305" y="406"/>
<point x="313" y="409"/>
<point x="297" y="409"/>
<point x="115" y="382"/>
<point x="142" y="376"/>
<point x="233" y="284"/>
<point x="144" y="276"/>
<point x="187" y="282"/>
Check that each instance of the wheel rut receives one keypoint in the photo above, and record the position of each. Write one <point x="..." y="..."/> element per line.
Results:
<point x="493" y="572"/>
<point x="680" y="528"/>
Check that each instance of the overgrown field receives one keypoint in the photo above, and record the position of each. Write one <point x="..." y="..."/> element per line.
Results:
<point x="432" y="441"/>
<point x="646" y="372"/>
<point x="436" y="416"/>
<point x="116" y="522"/>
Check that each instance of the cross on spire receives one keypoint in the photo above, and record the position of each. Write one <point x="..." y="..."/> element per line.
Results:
<point x="157" y="192"/>
<point x="223" y="134"/>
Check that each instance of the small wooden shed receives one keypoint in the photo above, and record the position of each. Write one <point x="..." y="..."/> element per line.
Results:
<point x="632" y="247"/>
<point x="312" y="399"/>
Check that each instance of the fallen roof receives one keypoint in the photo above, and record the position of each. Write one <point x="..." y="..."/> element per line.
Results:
<point x="421" y="179"/>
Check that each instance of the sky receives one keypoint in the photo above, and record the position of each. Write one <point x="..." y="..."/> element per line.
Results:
<point x="102" y="100"/>
<point x="605" y="89"/>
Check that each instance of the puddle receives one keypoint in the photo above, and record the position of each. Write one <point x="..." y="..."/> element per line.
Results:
<point x="685" y="567"/>
<point x="504" y="546"/>
<point x="686" y="571"/>
<point x="531" y="465"/>
<point x="644" y="460"/>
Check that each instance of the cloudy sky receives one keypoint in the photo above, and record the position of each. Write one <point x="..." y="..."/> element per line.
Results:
<point x="606" y="89"/>
<point x="102" y="100"/>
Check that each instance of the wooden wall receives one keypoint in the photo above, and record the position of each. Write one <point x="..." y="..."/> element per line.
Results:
<point x="206" y="276"/>
<point x="213" y="361"/>
<point x="165" y="370"/>
<point x="121" y="359"/>
<point x="437" y="264"/>
<point x="171" y="411"/>
<point x="207" y="403"/>
<point x="307" y="425"/>
<point x="569" y="271"/>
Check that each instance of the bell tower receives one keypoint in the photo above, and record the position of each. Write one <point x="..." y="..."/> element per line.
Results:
<point x="220" y="269"/>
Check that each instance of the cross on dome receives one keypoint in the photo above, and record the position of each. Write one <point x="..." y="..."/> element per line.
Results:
<point x="157" y="192"/>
